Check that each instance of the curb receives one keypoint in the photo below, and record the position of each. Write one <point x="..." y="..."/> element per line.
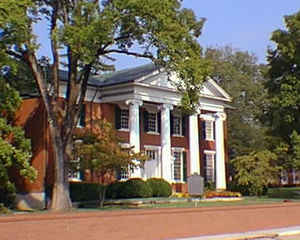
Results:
<point x="262" y="234"/>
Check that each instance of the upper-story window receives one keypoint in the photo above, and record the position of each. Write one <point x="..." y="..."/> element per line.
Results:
<point x="124" y="121"/>
<point x="152" y="122"/>
<point x="81" y="120"/>
<point x="122" y="118"/>
<point x="208" y="130"/>
<point x="178" y="124"/>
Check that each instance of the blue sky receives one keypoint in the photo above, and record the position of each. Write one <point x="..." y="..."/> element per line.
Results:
<point x="244" y="25"/>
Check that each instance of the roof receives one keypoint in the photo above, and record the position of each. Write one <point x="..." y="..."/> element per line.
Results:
<point x="118" y="77"/>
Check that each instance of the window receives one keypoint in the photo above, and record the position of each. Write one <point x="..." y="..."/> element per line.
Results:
<point x="124" y="119"/>
<point x="177" y="125"/>
<point x="209" y="166"/>
<point x="152" y="122"/>
<point x="179" y="166"/>
<point x="152" y="154"/>
<point x="121" y="118"/>
<point x="81" y="120"/>
<point x="208" y="130"/>
<point x="74" y="170"/>
<point x="123" y="174"/>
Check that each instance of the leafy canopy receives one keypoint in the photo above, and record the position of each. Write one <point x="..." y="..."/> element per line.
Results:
<point x="241" y="76"/>
<point x="15" y="149"/>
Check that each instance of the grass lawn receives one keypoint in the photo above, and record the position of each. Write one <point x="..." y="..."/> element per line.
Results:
<point x="274" y="195"/>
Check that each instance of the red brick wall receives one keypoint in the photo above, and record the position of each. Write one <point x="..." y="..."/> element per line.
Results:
<point x="31" y="116"/>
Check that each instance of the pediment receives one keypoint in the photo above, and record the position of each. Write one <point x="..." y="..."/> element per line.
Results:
<point x="210" y="88"/>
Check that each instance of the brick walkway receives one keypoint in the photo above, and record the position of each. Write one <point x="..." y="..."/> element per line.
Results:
<point x="148" y="224"/>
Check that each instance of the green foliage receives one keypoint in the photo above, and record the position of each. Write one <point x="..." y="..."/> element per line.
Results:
<point x="210" y="186"/>
<point x="242" y="77"/>
<point x="15" y="149"/>
<point x="81" y="191"/>
<point x="254" y="172"/>
<point x="135" y="188"/>
<point x="282" y="110"/>
<point x="100" y="151"/>
<point x="160" y="187"/>
<point x="114" y="190"/>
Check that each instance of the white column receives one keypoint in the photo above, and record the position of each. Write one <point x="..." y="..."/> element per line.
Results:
<point x="220" y="152"/>
<point x="194" y="144"/>
<point x="134" y="129"/>
<point x="166" y="142"/>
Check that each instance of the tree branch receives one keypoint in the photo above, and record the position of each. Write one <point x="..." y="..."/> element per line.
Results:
<point x="149" y="56"/>
<point x="55" y="79"/>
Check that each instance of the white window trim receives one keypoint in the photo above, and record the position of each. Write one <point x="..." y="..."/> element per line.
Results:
<point x="181" y="150"/>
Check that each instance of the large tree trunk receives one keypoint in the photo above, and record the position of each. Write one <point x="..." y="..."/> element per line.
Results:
<point x="60" y="192"/>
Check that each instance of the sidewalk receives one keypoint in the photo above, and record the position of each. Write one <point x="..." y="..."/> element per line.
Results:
<point x="291" y="233"/>
<point x="150" y="224"/>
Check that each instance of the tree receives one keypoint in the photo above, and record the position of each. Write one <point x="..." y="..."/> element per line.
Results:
<point x="100" y="152"/>
<point x="88" y="33"/>
<point x="253" y="172"/>
<point x="281" y="112"/>
<point x="241" y="76"/>
<point x="15" y="149"/>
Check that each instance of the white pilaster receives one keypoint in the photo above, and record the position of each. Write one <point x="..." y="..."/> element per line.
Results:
<point x="134" y="129"/>
<point x="166" y="142"/>
<point x="220" y="152"/>
<point x="194" y="144"/>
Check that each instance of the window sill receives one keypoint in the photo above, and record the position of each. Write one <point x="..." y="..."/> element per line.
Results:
<point x="210" y="140"/>
<point x="153" y="133"/>
<point x="123" y="130"/>
<point x="178" y="181"/>
<point x="177" y="135"/>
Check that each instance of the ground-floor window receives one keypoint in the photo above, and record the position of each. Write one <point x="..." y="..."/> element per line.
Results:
<point x="152" y="165"/>
<point x="74" y="170"/>
<point x="179" y="165"/>
<point x="209" y="166"/>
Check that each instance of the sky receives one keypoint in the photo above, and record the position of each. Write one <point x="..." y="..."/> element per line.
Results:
<point x="241" y="24"/>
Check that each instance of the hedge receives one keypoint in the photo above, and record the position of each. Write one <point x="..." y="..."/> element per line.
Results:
<point x="160" y="187"/>
<point x="135" y="188"/>
<point x="81" y="191"/>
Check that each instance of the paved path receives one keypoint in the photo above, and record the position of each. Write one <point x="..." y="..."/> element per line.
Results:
<point x="149" y="224"/>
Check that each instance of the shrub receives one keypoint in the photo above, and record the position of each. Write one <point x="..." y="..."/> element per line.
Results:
<point x="81" y="191"/>
<point x="160" y="187"/>
<point x="210" y="185"/>
<point x="253" y="172"/>
<point x="114" y="189"/>
<point x="249" y="189"/>
<point x="135" y="188"/>
<point x="8" y="195"/>
<point x="3" y="209"/>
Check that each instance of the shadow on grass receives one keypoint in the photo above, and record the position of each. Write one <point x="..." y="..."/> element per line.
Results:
<point x="284" y="193"/>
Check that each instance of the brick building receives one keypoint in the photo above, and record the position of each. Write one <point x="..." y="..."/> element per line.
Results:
<point x="143" y="105"/>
